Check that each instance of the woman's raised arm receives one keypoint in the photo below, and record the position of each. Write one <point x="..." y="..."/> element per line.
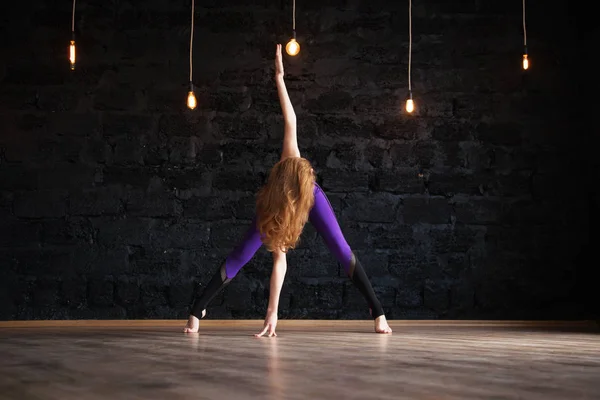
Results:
<point x="290" y="140"/>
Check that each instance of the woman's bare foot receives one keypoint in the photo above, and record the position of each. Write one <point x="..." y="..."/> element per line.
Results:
<point x="193" y="323"/>
<point x="381" y="325"/>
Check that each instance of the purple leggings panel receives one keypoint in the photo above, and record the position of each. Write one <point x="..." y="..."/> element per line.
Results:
<point x="323" y="219"/>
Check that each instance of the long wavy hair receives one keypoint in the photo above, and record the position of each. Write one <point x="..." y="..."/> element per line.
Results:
<point x="284" y="202"/>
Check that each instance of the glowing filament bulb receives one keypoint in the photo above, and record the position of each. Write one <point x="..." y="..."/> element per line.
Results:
<point x="525" y="61"/>
<point x="72" y="54"/>
<point x="191" y="100"/>
<point x="410" y="105"/>
<point x="292" y="47"/>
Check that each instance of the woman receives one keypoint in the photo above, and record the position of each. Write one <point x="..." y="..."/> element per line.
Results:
<point x="284" y="204"/>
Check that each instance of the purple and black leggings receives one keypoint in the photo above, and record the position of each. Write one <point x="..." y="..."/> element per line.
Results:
<point x="323" y="219"/>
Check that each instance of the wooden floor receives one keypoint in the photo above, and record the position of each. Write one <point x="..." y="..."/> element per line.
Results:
<point x="309" y="360"/>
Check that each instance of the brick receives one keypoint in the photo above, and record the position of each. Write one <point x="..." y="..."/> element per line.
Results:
<point x="391" y="237"/>
<point x="345" y="181"/>
<point x="165" y="234"/>
<point x="436" y="296"/>
<point x="17" y="97"/>
<point x="526" y="211"/>
<point x="239" y="294"/>
<point x="67" y="231"/>
<point x="452" y="266"/>
<point x="241" y="180"/>
<point x="458" y="239"/>
<point x="377" y="207"/>
<point x="250" y="154"/>
<point x="317" y="293"/>
<point x="113" y="99"/>
<point x="343" y="127"/>
<point x="45" y="293"/>
<point x="41" y="204"/>
<point x="134" y="176"/>
<point x="127" y="291"/>
<point x="43" y="262"/>
<point x="228" y="235"/>
<point x="519" y="183"/>
<point x="478" y="210"/>
<point x="230" y="101"/>
<point x="169" y="99"/>
<point x="65" y="177"/>
<point x="450" y="131"/>
<point x="245" y="207"/>
<point x="58" y="99"/>
<point x="330" y="102"/>
<point x="499" y="133"/>
<point x="385" y="104"/>
<point x="388" y="77"/>
<point x="239" y="127"/>
<point x="209" y="154"/>
<point x="376" y="156"/>
<point x="391" y="54"/>
<point x="209" y="208"/>
<point x="401" y="181"/>
<point x="73" y="292"/>
<point x="408" y="128"/>
<point x="428" y="210"/>
<point x="127" y="151"/>
<point x="153" y="294"/>
<point x="97" y="201"/>
<point x="375" y="263"/>
<point x="101" y="292"/>
<point x="187" y="183"/>
<point x="129" y="125"/>
<point x="17" y="233"/>
<point x="33" y="74"/>
<point x="185" y="124"/>
<point x="311" y="264"/>
<point x="519" y="239"/>
<point x="150" y="261"/>
<point x="344" y="156"/>
<point x="123" y="230"/>
<point x="76" y="124"/>
<point x="30" y="122"/>
<point x="228" y="21"/>
<point x="94" y="152"/>
<point x="180" y="294"/>
<point x="414" y="154"/>
<point x="454" y="182"/>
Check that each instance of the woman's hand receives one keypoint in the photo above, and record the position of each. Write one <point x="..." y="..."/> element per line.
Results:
<point x="270" y="325"/>
<point x="278" y="63"/>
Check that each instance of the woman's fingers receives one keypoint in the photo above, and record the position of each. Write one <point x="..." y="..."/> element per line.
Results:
<point x="262" y="332"/>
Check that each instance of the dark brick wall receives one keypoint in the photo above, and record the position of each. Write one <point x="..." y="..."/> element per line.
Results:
<point x="115" y="200"/>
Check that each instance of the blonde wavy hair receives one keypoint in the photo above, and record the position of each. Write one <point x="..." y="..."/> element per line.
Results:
<point x="284" y="202"/>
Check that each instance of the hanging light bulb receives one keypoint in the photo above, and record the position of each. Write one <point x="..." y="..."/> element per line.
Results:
<point x="525" y="61"/>
<point x="191" y="98"/>
<point x="72" y="54"/>
<point x="72" y="44"/>
<point x="293" y="47"/>
<point x="410" y="104"/>
<point x="525" y="58"/>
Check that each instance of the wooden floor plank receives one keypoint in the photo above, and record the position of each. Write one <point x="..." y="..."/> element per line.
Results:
<point x="287" y="323"/>
<point x="308" y="360"/>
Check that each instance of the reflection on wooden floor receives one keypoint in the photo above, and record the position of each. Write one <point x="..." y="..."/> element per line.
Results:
<point x="309" y="360"/>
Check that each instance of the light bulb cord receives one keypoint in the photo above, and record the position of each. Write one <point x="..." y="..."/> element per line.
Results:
<point x="524" y="28"/>
<point x="294" y="15"/>
<point x="73" y="19"/>
<point x="191" y="40"/>
<point x="409" y="45"/>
